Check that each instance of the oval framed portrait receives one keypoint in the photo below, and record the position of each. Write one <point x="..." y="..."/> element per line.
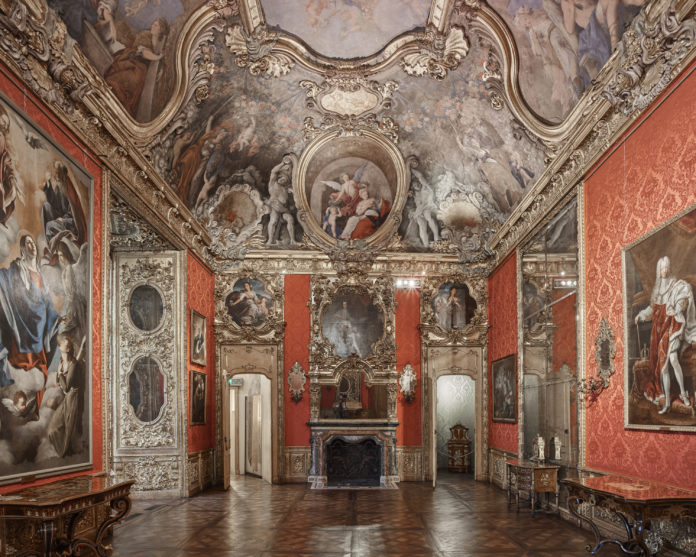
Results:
<point x="351" y="188"/>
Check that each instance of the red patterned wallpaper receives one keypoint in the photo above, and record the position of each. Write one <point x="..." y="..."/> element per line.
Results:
<point x="408" y="351"/>
<point x="296" y="350"/>
<point x="18" y="94"/>
<point x="200" y="288"/>
<point x="649" y="178"/>
<point x="502" y="340"/>
<point x="565" y="338"/>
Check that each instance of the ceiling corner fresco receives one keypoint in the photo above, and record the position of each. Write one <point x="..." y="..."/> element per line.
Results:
<point x="234" y="151"/>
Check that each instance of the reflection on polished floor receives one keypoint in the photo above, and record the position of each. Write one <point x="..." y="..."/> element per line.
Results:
<point x="460" y="518"/>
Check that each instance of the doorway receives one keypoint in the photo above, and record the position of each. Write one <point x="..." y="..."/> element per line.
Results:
<point x="252" y="426"/>
<point x="455" y="401"/>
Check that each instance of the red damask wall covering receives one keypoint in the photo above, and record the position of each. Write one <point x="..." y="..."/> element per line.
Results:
<point x="408" y="351"/>
<point x="200" y="287"/>
<point x="49" y="123"/>
<point x="649" y="178"/>
<point x="502" y="340"/>
<point x="296" y="313"/>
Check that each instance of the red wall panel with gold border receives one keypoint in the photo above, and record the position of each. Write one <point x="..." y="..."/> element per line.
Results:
<point x="650" y="177"/>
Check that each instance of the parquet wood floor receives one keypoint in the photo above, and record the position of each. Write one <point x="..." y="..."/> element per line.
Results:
<point x="460" y="518"/>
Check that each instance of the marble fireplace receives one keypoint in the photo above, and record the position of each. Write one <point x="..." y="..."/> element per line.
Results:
<point x="353" y="455"/>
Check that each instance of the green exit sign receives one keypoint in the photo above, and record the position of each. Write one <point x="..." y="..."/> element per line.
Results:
<point x="236" y="381"/>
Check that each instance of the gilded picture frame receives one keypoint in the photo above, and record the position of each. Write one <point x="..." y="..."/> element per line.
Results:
<point x="504" y="390"/>
<point x="48" y="228"/>
<point x="659" y="280"/>
<point x="198" y="339"/>
<point x="199" y="397"/>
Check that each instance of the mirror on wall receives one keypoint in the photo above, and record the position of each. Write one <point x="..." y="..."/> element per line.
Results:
<point x="354" y="399"/>
<point x="549" y="332"/>
<point x="146" y="389"/>
<point x="146" y="307"/>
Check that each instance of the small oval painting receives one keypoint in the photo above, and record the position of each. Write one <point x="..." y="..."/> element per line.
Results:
<point x="146" y="308"/>
<point x="249" y="304"/>
<point x="453" y="306"/>
<point x="352" y="323"/>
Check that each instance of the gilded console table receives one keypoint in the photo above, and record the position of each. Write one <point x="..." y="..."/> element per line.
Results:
<point x="635" y="502"/>
<point x="526" y="476"/>
<point x="67" y="500"/>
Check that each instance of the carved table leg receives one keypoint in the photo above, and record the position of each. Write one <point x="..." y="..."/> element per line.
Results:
<point x="634" y="546"/>
<point x="122" y="506"/>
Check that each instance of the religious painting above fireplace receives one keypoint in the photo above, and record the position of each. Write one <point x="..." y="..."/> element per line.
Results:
<point x="660" y="327"/>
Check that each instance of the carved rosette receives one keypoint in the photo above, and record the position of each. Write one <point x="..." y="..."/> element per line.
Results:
<point x="159" y="272"/>
<point x="255" y="51"/>
<point x="437" y="54"/>
<point x="474" y="332"/>
<point x="228" y="330"/>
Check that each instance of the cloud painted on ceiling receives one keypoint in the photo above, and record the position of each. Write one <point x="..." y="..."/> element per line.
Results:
<point x="346" y="28"/>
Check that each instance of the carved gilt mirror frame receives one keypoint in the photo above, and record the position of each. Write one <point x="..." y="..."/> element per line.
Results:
<point x="325" y="367"/>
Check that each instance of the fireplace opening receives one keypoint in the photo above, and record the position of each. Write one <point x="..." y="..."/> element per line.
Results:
<point x="354" y="464"/>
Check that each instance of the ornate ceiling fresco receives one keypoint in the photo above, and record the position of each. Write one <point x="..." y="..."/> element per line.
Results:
<point x="359" y="125"/>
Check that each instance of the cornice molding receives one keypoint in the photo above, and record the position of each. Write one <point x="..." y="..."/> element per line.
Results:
<point x="40" y="53"/>
<point x="632" y="80"/>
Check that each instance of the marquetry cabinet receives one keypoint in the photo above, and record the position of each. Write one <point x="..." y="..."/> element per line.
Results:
<point x="527" y="478"/>
<point x="459" y="449"/>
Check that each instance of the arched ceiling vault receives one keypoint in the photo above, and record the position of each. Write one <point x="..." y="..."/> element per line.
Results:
<point x="466" y="120"/>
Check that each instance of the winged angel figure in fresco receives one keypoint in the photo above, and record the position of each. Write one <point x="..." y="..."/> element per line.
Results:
<point x="353" y="211"/>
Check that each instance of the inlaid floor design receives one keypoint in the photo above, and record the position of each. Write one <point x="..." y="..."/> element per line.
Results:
<point x="460" y="518"/>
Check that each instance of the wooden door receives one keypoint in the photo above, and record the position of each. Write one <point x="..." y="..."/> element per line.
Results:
<point x="226" y="393"/>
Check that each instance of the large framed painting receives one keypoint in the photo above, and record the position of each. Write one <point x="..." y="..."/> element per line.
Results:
<point x="659" y="278"/>
<point x="504" y="378"/>
<point x="351" y="188"/>
<point x="198" y="338"/>
<point x="199" y="385"/>
<point x="45" y="296"/>
<point x="249" y="303"/>
<point x="352" y="323"/>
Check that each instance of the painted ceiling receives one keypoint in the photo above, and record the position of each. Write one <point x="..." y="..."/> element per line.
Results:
<point x="278" y="73"/>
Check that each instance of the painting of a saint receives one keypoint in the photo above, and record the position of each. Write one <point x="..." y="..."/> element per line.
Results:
<point x="351" y="199"/>
<point x="352" y="323"/>
<point x="198" y="396"/>
<point x="45" y="325"/>
<point x="504" y="395"/>
<point x="661" y="326"/>
<point x="249" y="304"/>
<point x="198" y="338"/>
<point x="453" y="306"/>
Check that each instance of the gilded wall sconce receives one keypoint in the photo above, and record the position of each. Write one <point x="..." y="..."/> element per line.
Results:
<point x="408" y="382"/>
<point x="604" y="354"/>
<point x="296" y="381"/>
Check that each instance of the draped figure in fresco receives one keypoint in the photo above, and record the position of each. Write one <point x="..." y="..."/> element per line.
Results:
<point x="28" y="320"/>
<point x="67" y="419"/>
<point x="133" y="73"/>
<point x="11" y="188"/>
<point x="673" y="317"/>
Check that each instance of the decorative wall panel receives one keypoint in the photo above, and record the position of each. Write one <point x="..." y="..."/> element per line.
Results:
<point x="647" y="180"/>
<point x="148" y="357"/>
<point x="502" y="317"/>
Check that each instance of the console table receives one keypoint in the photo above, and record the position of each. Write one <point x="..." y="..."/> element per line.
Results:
<point x="528" y="477"/>
<point x="68" y="499"/>
<point x="635" y="502"/>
